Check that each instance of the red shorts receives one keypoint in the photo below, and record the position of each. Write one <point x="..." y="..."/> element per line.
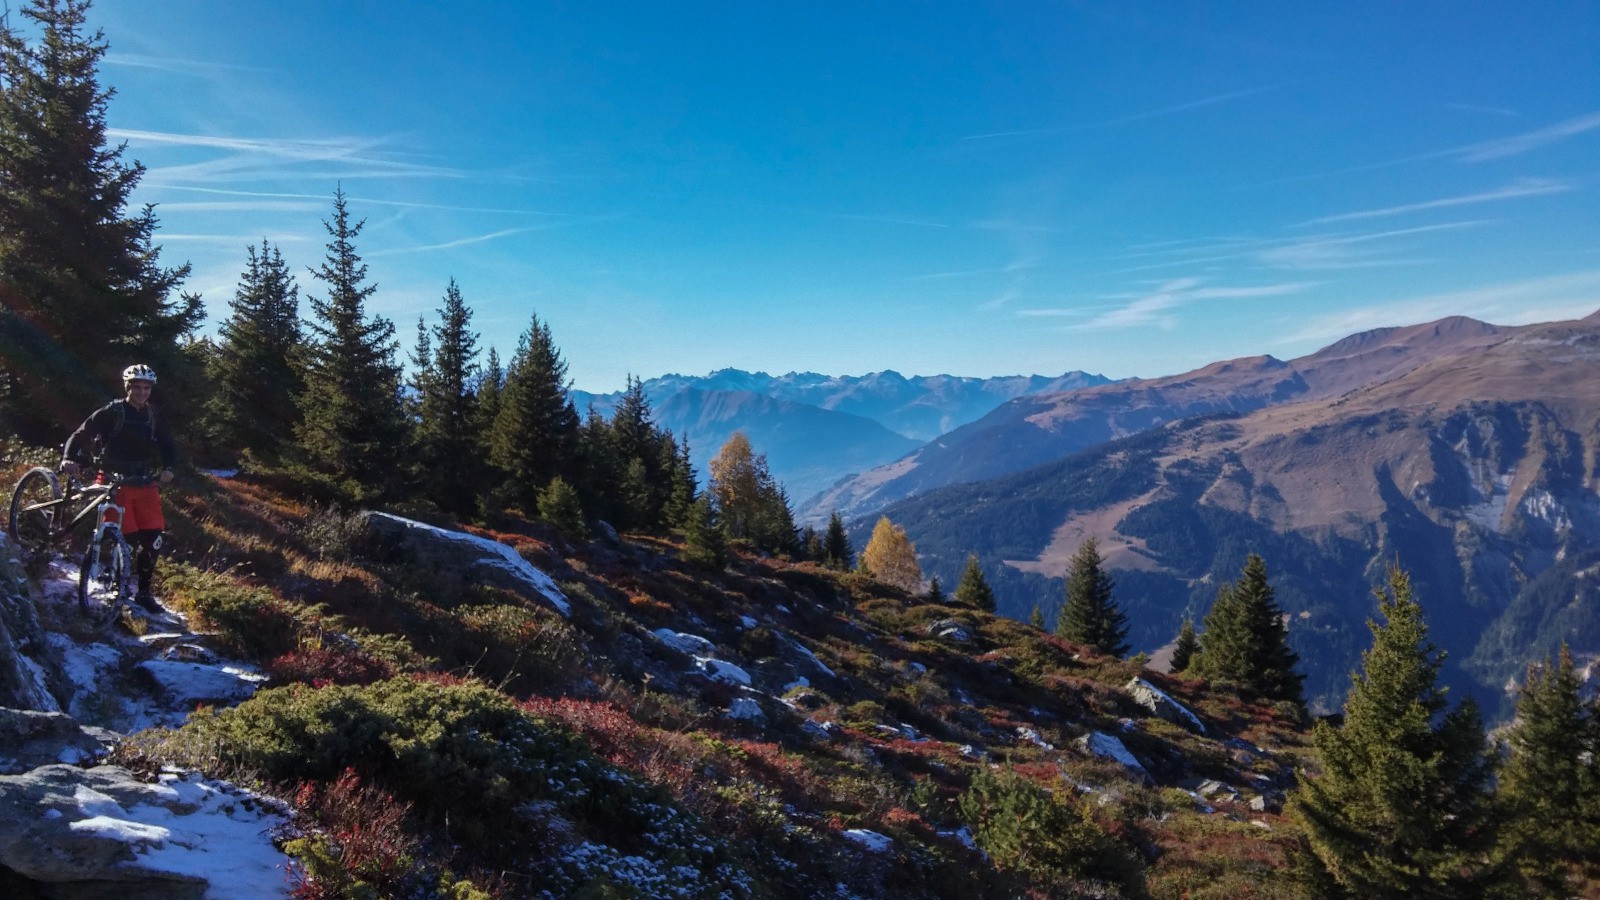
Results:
<point x="141" y="508"/>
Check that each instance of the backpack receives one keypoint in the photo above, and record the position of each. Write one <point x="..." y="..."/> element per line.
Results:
<point x="121" y="407"/>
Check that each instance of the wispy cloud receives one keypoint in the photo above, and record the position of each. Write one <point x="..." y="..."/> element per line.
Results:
<point x="201" y="68"/>
<point x="278" y="157"/>
<point x="1475" y="108"/>
<point x="1124" y="120"/>
<point x="1553" y="298"/>
<point x="1531" y="140"/>
<point x="1524" y="187"/>
<point x="1345" y="251"/>
<point x="355" y="199"/>
<point x="461" y="242"/>
<point x="1157" y="308"/>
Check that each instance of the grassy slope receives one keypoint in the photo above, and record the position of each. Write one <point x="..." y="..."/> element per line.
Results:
<point x="370" y="647"/>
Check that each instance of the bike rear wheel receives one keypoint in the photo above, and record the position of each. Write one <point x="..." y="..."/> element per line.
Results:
<point x="103" y="577"/>
<point x="36" y="512"/>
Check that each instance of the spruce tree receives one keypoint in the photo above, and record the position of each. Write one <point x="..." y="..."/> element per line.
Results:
<point x="257" y="367"/>
<point x="836" y="550"/>
<point x="704" y="539"/>
<point x="559" y="505"/>
<point x="1036" y="618"/>
<point x="680" y="479"/>
<point x="972" y="589"/>
<point x="1090" y="615"/>
<point x="449" y="446"/>
<point x="1547" y="785"/>
<point x="1187" y="646"/>
<point x="891" y="558"/>
<point x="535" y="433"/>
<point x="935" y="591"/>
<point x="1401" y="809"/>
<point x="1245" y="642"/>
<point x="83" y="291"/>
<point x="353" y="425"/>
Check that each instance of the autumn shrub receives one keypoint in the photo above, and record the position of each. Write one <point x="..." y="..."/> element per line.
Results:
<point x="252" y="621"/>
<point x="520" y="648"/>
<point x="319" y="665"/>
<point x="1044" y="836"/>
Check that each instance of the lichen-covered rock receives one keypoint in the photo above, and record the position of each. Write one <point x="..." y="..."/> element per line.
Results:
<point x="25" y="668"/>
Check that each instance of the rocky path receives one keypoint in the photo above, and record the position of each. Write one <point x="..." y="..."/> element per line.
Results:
<point x="72" y="826"/>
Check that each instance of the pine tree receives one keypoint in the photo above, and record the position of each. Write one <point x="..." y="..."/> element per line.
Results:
<point x="1401" y="809"/>
<point x="490" y="383"/>
<point x="353" y="426"/>
<point x="1036" y="618"/>
<point x="84" y="292"/>
<point x="449" y="446"/>
<point x="1547" y="785"/>
<point x="836" y="550"/>
<point x="1091" y="616"/>
<point x="1245" y="641"/>
<point x="559" y="505"/>
<point x="680" y="477"/>
<point x="935" y="591"/>
<point x="1188" y="645"/>
<point x="704" y="539"/>
<point x="256" y="369"/>
<point x="535" y="433"/>
<point x="972" y="589"/>
<point x="891" y="557"/>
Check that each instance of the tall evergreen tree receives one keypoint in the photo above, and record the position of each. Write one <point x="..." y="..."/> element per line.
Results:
<point x="973" y="589"/>
<point x="535" y="433"/>
<point x="82" y="292"/>
<point x="448" y="438"/>
<point x="353" y="426"/>
<point x="836" y="550"/>
<point x="1245" y="641"/>
<point x="681" y="479"/>
<point x="891" y="557"/>
<point x="1401" y="809"/>
<point x="1548" y="785"/>
<point x="704" y="539"/>
<point x="256" y="369"/>
<point x="1090" y="615"/>
<point x="1187" y="646"/>
<point x="489" y="385"/>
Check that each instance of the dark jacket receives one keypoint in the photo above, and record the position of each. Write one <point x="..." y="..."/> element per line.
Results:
<point x="126" y="439"/>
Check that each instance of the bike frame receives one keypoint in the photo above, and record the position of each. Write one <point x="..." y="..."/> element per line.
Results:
<point x="96" y="495"/>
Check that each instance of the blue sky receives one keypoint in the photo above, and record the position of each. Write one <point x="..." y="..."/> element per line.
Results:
<point x="978" y="189"/>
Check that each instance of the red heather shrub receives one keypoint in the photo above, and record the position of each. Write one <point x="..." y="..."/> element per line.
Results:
<point x="371" y="847"/>
<point x="322" y="665"/>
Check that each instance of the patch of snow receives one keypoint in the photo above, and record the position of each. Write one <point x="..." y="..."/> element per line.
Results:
<point x="187" y="683"/>
<point x="227" y="840"/>
<point x="800" y="682"/>
<point x="220" y="473"/>
<point x="690" y="644"/>
<point x="1109" y="746"/>
<point x="872" y="840"/>
<point x="805" y="651"/>
<point x="722" y="670"/>
<point x="962" y="834"/>
<point x="502" y="556"/>
<point x="41" y="686"/>
<point x="745" y="709"/>
<point x="1031" y="736"/>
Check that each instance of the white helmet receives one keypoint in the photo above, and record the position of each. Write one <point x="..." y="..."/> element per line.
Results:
<point x="138" y="372"/>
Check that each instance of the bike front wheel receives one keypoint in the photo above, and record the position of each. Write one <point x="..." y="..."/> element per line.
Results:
<point x="36" y="512"/>
<point x="103" y="578"/>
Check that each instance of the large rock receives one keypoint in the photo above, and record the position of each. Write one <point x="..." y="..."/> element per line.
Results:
<point x="466" y="558"/>
<point x="1162" y="706"/>
<point x="24" y="664"/>
<point x="101" y="833"/>
<point x="30" y="738"/>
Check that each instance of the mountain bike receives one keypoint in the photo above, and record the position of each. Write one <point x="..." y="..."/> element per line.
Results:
<point x="43" y="515"/>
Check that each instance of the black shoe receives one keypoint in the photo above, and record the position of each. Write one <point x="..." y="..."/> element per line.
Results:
<point x="147" y="601"/>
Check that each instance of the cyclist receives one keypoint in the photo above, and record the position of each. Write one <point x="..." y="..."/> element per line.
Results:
<point x="129" y="434"/>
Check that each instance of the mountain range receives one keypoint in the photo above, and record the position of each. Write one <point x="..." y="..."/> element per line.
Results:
<point x="817" y="429"/>
<point x="1466" y="452"/>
